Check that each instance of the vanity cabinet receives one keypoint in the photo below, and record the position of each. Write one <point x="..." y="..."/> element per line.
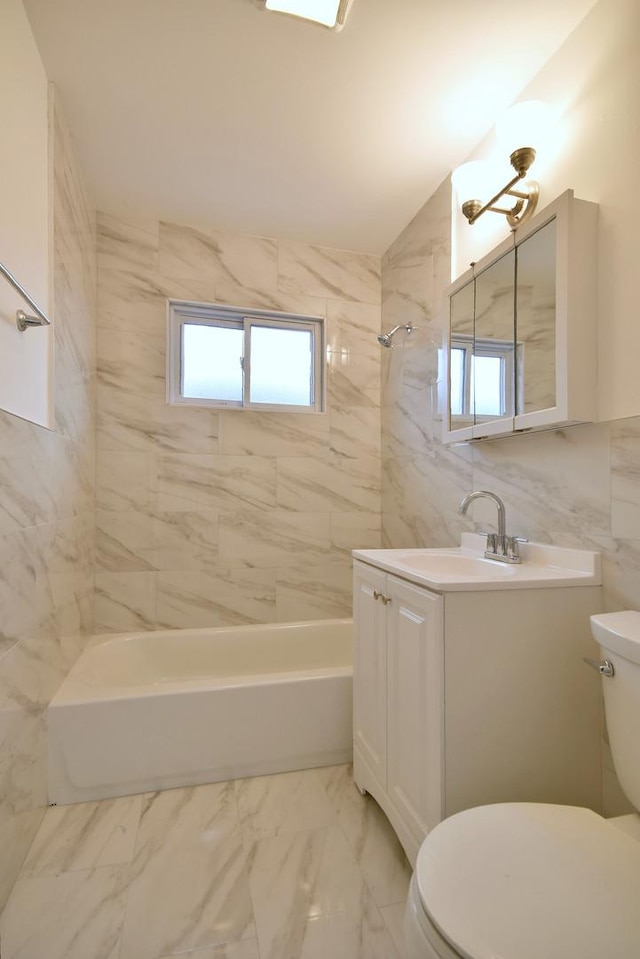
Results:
<point x="397" y="694"/>
<point x="521" y="347"/>
<point x="465" y="698"/>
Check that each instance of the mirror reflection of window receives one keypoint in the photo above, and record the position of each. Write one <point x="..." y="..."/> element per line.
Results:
<point x="481" y="376"/>
<point x="461" y="319"/>
<point x="487" y="385"/>
<point x="457" y="381"/>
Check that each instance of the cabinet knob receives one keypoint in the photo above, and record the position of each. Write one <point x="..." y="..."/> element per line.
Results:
<point x="385" y="599"/>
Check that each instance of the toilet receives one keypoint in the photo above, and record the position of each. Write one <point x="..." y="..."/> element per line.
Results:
<point x="540" y="881"/>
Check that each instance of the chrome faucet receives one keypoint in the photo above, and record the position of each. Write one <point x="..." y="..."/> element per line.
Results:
<point x="499" y="546"/>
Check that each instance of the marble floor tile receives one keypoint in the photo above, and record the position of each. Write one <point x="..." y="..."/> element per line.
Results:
<point x="358" y="936"/>
<point x="377" y="849"/>
<point x="393" y="917"/>
<point x="343" y="935"/>
<point x="245" y="949"/>
<point x="310" y="899"/>
<point x="302" y="874"/>
<point x="189" y="887"/>
<point x="84" y="836"/>
<point x="77" y="915"/>
<point x="290" y="866"/>
<point x="282" y="804"/>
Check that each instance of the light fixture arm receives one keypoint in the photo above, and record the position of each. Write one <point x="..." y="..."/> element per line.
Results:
<point x="526" y="199"/>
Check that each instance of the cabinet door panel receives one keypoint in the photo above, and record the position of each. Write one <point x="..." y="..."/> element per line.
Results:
<point x="415" y="704"/>
<point x="493" y="342"/>
<point x="370" y="669"/>
<point x="536" y="321"/>
<point x="460" y="400"/>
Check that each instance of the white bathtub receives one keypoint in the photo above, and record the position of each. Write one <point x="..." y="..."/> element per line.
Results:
<point x="147" y="711"/>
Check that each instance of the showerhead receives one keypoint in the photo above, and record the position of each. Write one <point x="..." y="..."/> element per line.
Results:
<point x="386" y="339"/>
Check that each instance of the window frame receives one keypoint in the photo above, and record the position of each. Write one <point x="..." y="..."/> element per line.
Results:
<point x="499" y="349"/>
<point x="181" y="312"/>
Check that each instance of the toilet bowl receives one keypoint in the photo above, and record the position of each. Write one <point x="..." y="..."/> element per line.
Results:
<point x="541" y="881"/>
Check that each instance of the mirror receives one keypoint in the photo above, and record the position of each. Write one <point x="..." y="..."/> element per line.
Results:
<point x="523" y="329"/>
<point x="481" y="355"/>
<point x="493" y="348"/>
<point x="536" y="320"/>
<point x="461" y="312"/>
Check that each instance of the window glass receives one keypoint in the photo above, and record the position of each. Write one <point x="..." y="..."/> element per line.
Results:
<point x="281" y="366"/>
<point x="228" y="357"/>
<point x="457" y="382"/>
<point x="487" y="385"/>
<point x="212" y="362"/>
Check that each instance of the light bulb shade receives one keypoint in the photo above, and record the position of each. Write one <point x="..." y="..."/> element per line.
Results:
<point x="471" y="181"/>
<point x="526" y="124"/>
<point x="330" y="13"/>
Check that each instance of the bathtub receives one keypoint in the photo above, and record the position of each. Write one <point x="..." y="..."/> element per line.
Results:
<point x="145" y="711"/>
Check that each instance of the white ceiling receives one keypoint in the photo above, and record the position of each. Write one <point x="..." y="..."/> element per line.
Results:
<point x="215" y="112"/>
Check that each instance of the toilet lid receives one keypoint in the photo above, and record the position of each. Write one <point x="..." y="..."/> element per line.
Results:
<point x="532" y="881"/>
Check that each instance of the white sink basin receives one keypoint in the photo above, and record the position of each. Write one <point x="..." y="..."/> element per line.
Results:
<point x="444" y="563"/>
<point x="466" y="567"/>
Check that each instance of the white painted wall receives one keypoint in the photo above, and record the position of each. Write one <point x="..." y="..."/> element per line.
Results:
<point x="25" y="358"/>
<point x="595" y="81"/>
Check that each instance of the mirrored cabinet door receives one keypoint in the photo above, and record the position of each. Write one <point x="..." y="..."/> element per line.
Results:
<point x="493" y="373"/>
<point x="536" y="321"/>
<point x="460" y="402"/>
<point x="522" y="346"/>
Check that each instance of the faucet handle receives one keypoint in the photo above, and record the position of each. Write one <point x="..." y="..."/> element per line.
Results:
<point x="512" y="543"/>
<point x="492" y="540"/>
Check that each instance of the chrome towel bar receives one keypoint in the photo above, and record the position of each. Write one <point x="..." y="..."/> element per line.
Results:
<point x="23" y="320"/>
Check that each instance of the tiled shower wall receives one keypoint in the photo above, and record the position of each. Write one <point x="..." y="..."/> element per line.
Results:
<point x="47" y="526"/>
<point x="572" y="487"/>
<point x="221" y="518"/>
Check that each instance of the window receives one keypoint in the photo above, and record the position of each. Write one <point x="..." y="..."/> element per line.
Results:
<point x="481" y="373"/>
<point x="239" y="359"/>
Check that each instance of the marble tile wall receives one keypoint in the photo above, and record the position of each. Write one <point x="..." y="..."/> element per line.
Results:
<point x="223" y="518"/>
<point x="47" y="525"/>
<point x="572" y="487"/>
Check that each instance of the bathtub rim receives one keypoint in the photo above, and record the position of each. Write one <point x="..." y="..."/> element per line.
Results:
<point x="74" y="691"/>
<point x="100" y="639"/>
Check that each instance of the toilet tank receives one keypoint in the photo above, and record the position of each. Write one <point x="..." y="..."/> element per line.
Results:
<point x="618" y="635"/>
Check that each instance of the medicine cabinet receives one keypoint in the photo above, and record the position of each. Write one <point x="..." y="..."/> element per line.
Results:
<point x="521" y="338"/>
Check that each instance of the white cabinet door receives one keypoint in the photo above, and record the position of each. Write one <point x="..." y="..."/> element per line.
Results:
<point x="370" y="669"/>
<point x="415" y="704"/>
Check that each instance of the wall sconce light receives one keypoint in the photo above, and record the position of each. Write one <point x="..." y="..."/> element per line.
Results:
<point x="527" y="122"/>
<point x="328" y="13"/>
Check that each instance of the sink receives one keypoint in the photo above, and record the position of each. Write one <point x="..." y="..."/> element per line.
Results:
<point x="466" y="568"/>
<point x="445" y="563"/>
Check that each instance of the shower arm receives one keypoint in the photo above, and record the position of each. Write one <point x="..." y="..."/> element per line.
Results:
<point x="385" y="339"/>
